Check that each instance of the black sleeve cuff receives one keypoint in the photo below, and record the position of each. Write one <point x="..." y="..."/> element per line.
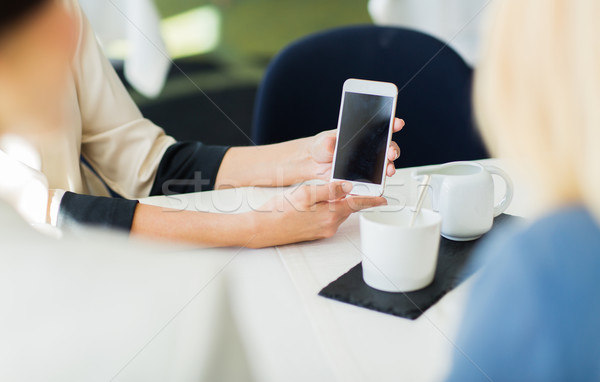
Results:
<point x="96" y="211"/>
<point x="188" y="167"/>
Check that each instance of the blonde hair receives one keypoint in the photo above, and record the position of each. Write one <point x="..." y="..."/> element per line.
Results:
<point x="537" y="95"/>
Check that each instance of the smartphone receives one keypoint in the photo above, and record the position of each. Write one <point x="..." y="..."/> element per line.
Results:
<point x="364" y="133"/>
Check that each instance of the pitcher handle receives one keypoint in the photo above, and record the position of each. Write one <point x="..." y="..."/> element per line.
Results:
<point x="508" y="196"/>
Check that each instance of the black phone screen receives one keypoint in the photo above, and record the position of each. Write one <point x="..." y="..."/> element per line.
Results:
<point x="363" y="136"/>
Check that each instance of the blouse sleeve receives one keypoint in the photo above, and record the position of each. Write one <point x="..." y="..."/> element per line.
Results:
<point x="122" y="147"/>
<point x="97" y="211"/>
<point x="188" y="167"/>
<point x="134" y="157"/>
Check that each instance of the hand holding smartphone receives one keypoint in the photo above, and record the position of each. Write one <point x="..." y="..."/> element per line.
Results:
<point x="364" y="134"/>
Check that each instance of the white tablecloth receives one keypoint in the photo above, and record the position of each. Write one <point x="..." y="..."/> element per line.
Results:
<point x="292" y="334"/>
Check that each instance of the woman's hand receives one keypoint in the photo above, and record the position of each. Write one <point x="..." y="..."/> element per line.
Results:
<point x="305" y="213"/>
<point x="322" y="147"/>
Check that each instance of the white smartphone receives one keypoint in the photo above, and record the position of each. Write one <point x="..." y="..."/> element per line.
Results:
<point x="364" y="133"/>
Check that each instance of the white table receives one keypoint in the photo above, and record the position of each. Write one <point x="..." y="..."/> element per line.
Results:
<point x="292" y="334"/>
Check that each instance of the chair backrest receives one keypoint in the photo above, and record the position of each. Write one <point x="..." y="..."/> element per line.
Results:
<point x="301" y="92"/>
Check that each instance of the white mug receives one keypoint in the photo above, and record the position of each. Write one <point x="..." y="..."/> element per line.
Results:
<point x="463" y="193"/>
<point x="397" y="257"/>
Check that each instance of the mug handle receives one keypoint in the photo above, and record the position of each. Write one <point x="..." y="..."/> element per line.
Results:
<point x="508" y="196"/>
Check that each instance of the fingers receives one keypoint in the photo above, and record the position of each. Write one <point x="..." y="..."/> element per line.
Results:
<point x="333" y="191"/>
<point x="398" y="124"/>
<point x="393" y="152"/>
<point x="357" y="203"/>
<point x="391" y="169"/>
<point x="313" y="194"/>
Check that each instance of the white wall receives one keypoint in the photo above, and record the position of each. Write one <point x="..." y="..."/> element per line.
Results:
<point x="457" y="22"/>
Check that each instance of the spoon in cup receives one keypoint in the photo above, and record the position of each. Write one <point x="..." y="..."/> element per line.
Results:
<point x="421" y="199"/>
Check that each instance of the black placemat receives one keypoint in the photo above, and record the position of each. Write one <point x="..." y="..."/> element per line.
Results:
<point x="451" y="271"/>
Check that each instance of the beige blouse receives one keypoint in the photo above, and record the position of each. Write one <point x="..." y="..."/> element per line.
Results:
<point x="103" y="125"/>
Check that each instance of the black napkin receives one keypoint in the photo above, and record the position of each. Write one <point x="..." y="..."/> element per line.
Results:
<point x="451" y="271"/>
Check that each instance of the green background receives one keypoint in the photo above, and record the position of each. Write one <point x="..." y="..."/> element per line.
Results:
<point x="252" y="32"/>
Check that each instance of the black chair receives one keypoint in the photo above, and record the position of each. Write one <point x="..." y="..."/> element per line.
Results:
<point x="301" y="92"/>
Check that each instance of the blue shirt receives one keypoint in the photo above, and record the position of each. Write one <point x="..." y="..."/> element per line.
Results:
<point x="534" y="311"/>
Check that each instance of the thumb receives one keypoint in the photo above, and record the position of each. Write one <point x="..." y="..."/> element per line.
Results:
<point x="324" y="147"/>
<point x="332" y="191"/>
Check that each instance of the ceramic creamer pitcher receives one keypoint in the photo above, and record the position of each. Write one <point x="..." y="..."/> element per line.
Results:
<point x="463" y="193"/>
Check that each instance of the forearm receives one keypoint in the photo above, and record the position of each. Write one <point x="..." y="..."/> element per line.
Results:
<point x="280" y="164"/>
<point x="304" y="214"/>
<point x="201" y="228"/>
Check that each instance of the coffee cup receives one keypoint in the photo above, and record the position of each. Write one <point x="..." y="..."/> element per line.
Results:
<point x="398" y="257"/>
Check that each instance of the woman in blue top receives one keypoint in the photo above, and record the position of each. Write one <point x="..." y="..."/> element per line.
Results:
<point x="534" y="313"/>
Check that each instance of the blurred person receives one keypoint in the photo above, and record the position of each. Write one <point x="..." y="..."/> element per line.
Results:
<point x="78" y="308"/>
<point x="36" y="47"/>
<point x="533" y="311"/>
<point x="456" y="22"/>
<point x="95" y="122"/>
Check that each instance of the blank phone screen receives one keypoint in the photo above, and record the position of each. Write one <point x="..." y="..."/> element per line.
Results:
<point x="363" y="136"/>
